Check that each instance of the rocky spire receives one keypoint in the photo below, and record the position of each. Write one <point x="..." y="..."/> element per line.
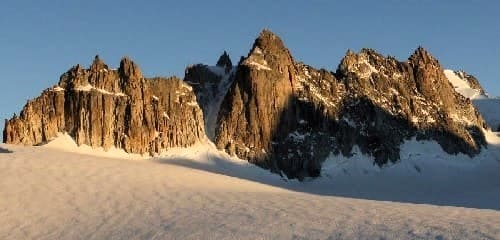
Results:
<point x="422" y="56"/>
<point x="251" y="111"/>
<point x="277" y="113"/>
<point x="98" y="64"/>
<point x="225" y="61"/>
<point x="362" y="64"/>
<point x="430" y="80"/>
<point x="269" y="46"/>
<point x="269" y="41"/>
<point x="269" y="52"/>
<point x="129" y="69"/>
<point x="288" y="116"/>
<point x="137" y="115"/>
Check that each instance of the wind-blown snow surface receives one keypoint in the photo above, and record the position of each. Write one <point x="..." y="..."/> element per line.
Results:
<point x="200" y="193"/>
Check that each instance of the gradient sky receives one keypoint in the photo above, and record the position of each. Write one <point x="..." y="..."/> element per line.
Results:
<point x="40" y="40"/>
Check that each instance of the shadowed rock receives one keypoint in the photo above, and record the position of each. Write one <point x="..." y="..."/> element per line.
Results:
<point x="269" y="109"/>
<point x="225" y="62"/>
<point x="289" y="117"/>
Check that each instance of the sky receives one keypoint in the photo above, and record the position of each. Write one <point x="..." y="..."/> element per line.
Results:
<point x="40" y="40"/>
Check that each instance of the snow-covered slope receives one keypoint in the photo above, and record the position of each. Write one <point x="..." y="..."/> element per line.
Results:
<point x="201" y="193"/>
<point x="462" y="86"/>
<point x="489" y="107"/>
<point x="65" y="143"/>
<point x="215" y="103"/>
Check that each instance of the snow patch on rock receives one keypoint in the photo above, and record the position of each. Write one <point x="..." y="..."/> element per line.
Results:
<point x="88" y="88"/>
<point x="461" y="85"/>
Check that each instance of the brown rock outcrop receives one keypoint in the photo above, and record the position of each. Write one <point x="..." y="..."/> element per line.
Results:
<point x="289" y="117"/>
<point x="270" y="110"/>
<point x="419" y="95"/>
<point x="102" y="107"/>
<point x="253" y="108"/>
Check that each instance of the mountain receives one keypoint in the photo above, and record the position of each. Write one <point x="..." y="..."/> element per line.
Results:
<point x="103" y="107"/>
<point x="468" y="86"/>
<point x="269" y="109"/>
<point x="288" y="116"/>
<point x="210" y="84"/>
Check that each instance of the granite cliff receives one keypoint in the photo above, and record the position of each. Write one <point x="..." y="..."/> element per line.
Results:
<point x="269" y="109"/>
<point x="103" y="107"/>
<point x="288" y="116"/>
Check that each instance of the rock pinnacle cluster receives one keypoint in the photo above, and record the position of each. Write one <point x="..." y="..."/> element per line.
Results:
<point x="269" y="109"/>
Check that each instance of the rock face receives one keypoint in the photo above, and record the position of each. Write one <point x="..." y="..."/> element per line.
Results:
<point x="225" y="62"/>
<point x="269" y="109"/>
<point x="413" y="98"/>
<point x="289" y="117"/>
<point x="210" y="84"/>
<point x="101" y="107"/>
<point x="257" y="106"/>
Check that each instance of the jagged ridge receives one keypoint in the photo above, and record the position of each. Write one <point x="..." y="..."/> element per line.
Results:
<point x="269" y="109"/>
<point x="103" y="107"/>
<point x="289" y="117"/>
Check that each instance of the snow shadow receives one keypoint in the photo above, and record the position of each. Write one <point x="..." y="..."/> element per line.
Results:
<point x="488" y="107"/>
<point x="4" y="150"/>
<point x="306" y="133"/>
<point x="340" y="136"/>
<point x="415" y="189"/>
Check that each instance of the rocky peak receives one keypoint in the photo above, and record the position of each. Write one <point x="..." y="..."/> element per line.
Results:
<point x="97" y="77"/>
<point x="269" y="44"/>
<point x="289" y="117"/>
<point x="76" y="69"/>
<point x="421" y="57"/>
<point x="275" y="112"/>
<point x="268" y="52"/>
<point x="98" y="65"/>
<point x="97" y="108"/>
<point x="225" y="62"/>
<point x="267" y="40"/>
<point x="258" y="100"/>
<point x="431" y="81"/>
<point x="129" y="69"/>
<point x="70" y="74"/>
<point x="363" y="64"/>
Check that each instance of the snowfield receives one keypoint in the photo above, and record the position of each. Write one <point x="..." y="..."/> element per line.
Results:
<point x="488" y="106"/>
<point x="59" y="191"/>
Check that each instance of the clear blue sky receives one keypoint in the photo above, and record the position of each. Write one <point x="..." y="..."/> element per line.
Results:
<point x="40" y="40"/>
